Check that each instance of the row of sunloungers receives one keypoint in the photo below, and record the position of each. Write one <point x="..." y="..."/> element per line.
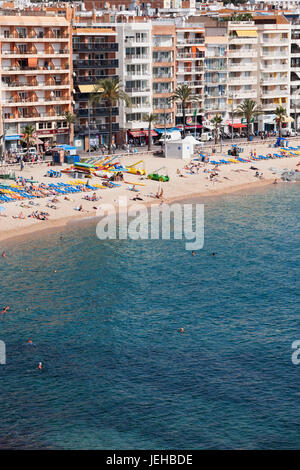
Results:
<point x="9" y="193"/>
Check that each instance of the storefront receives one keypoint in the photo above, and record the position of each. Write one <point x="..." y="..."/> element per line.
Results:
<point x="140" y="137"/>
<point x="12" y="142"/>
<point x="51" y="137"/>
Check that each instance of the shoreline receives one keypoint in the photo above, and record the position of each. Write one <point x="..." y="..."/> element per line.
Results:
<point x="183" y="185"/>
<point x="57" y="225"/>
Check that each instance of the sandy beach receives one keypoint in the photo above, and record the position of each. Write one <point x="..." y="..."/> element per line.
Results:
<point x="231" y="177"/>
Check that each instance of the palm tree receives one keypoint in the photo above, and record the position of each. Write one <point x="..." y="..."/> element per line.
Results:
<point x="150" y="118"/>
<point x="109" y="91"/>
<point x="248" y="109"/>
<point x="28" y="136"/>
<point x="217" y="123"/>
<point x="184" y="94"/>
<point x="280" y="117"/>
<point x="70" y="119"/>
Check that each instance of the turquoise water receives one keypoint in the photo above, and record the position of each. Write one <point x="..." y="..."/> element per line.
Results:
<point x="118" y="374"/>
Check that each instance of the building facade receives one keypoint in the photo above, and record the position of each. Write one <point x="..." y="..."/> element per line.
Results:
<point x="36" y="76"/>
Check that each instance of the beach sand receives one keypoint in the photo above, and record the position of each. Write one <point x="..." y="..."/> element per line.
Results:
<point x="232" y="177"/>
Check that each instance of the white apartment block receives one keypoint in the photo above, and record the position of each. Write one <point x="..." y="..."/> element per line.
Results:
<point x="135" y="72"/>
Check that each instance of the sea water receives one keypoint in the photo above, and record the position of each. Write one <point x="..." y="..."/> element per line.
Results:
<point x="104" y="318"/>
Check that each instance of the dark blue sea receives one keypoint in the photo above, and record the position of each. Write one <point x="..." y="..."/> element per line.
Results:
<point x="104" y="318"/>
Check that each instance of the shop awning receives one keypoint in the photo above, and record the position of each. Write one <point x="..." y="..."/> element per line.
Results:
<point x="142" y="133"/>
<point x="246" y="34"/>
<point x="88" y="89"/>
<point x="137" y="133"/>
<point x="238" y="126"/>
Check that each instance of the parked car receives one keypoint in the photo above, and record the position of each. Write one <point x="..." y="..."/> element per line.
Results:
<point x="206" y="136"/>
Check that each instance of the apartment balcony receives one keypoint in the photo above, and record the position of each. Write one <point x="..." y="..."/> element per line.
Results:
<point x="242" y="81"/>
<point x="96" y="47"/>
<point x="162" y="91"/>
<point x="39" y="54"/>
<point x="269" y="107"/>
<point x="139" y="91"/>
<point x="39" y="86"/>
<point x="190" y="71"/>
<point x="139" y="108"/>
<point x="160" y="60"/>
<point x="132" y="42"/>
<point x="92" y="80"/>
<point x="274" y="81"/>
<point x="188" y="111"/>
<point x="275" y="67"/>
<point x="242" y="67"/>
<point x="295" y="83"/>
<point x="241" y="53"/>
<point x="244" y="94"/>
<point x="137" y="75"/>
<point x="101" y="128"/>
<point x="138" y="58"/>
<point x="274" y="55"/>
<point x="34" y="71"/>
<point x="189" y="56"/>
<point x="84" y="112"/>
<point x="181" y="42"/>
<point x="215" y="68"/>
<point x="35" y="39"/>
<point x="136" y="124"/>
<point x="274" y="94"/>
<point x="242" y="40"/>
<point x="163" y="75"/>
<point x="38" y="102"/>
<point x="101" y="64"/>
<point x="214" y="83"/>
<point x="295" y="68"/>
<point x="295" y="54"/>
<point x="274" y="41"/>
<point x="37" y="117"/>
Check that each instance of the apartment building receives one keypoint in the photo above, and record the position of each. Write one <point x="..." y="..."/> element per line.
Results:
<point x="215" y="73"/>
<point x="163" y="72"/>
<point x="243" y="72"/>
<point x="295" y="72"/>
<point x="274" y="64"/>
<point x="95" y="51"/>
<point x="190" y="55"/>
<point x="135" y="72"/>
<point x="36" y="76"/>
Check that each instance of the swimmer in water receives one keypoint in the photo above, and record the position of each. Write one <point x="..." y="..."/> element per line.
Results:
<point x="193" y="253"/>
<point x="29" y="341"/>
<point x="213" y="254"/>
<point x="3" y="254"/>
<point x="181" y="330"/>
<point x="40" y="366"/>
<point x="4" y="310"/>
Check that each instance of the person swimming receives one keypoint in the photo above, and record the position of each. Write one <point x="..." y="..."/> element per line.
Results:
<point x="29" y="341"/>
<point x="5" y="309"/>
<point x="193" y="253"/>
<point x="40" y="366"/>
<point x="181" y="330"/>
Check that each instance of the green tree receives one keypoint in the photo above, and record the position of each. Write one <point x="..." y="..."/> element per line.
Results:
<point x="184" y="95"/>
<point x="28" y="136"/>
<point x="150" y="118"/>
<point x="280" y="117"/>
<point x="109" y="91"/>
<point x="70" y="119"/>
<point x="248" y="109"/>
<point x="217" y="123"/>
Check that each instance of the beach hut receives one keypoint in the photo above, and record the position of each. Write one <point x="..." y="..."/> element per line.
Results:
<point x="179" y="149"/>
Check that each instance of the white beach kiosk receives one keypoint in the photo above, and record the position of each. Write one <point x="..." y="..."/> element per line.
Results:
<point x="181" y="149"/>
